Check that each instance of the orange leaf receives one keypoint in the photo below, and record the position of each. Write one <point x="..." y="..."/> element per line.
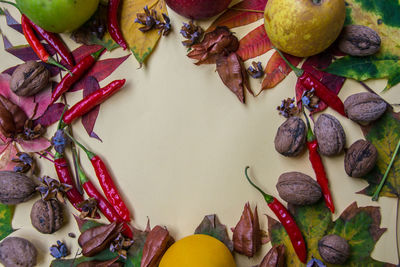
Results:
<point x="254" y="44"/>
<point x="277" y="70"/>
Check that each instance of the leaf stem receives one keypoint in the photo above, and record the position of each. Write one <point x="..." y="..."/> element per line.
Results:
<point x="246" y="10"/>
<point x="268" y="198"/>
<point x="299" y="72"/>
<point x="378" y="190"/>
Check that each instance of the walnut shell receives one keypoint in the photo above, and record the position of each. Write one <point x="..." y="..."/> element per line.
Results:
<point x="17" y="252"/>
<point x="360" y="158"/>
<point x="358" y="40"/>
<point x="47" y="216"/>
<point x="334" y="249"/>
<point x="15" y="187"/>
<point x="330" y="135"/>
<point x="29" y="78"/>
<point x="290" y="138"/>
<point x="298" y="188"/>
<point x="364" y="107"/>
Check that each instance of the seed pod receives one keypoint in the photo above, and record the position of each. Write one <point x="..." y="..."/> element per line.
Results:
<point x="102" y="240"/>
<point x="29" y="78"/>
<point x="17" y="252"/>
<point x="275" y="257"/>
<point x="17" y="113"/>
<point x="334" y="249"/>
<point x="364" y="107"/>
<point x="358" y="40"/>
<point x="15" y="187"/>
<point x="7" y="125"/>
<point x="290" y="138"/>
<point x="298" y="188"/>
<point x="330" y="135"/>
<point x="360" y="158"/>
<point x="47" y="216"/>
<point x="157" y="243"/>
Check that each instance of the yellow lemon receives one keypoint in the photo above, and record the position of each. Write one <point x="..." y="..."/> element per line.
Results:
<point x="198" y="251"/>
<point x="304" y="27"/>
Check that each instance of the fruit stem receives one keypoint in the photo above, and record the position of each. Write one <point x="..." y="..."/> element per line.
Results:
<point x="316" y="2"/>
<point x="268" y="198"/>
<point x="295" y="69"/>
<point x="378" y="190"/>
<point x="246" y="10"/>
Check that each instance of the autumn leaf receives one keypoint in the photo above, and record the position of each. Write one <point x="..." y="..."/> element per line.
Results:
<point x="255" y="43"/>
<point x="360" y="226"/>
<point x="51" y="115"/>
<point x="12" y="23"/>
<point x="89" y="119"/>
<point x="212" y="226"/>
<point x="6" y="215"/>
<point x="384" y="135"/>
<point x="102" y="256"/>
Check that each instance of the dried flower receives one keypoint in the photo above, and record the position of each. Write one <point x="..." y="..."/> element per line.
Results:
<point x="60" y="141"/>
<point x="193" y="33"/>
<point x="121" y="245"/>
<point x="32" y="131"/>
<point x="256" y="71"/>
<point x="24" y="162"/>
<point x="151" y="21"/>
<point x="288" y="108"/>
<point x="315" y="263"/>
<point x="310" y="100"/>
<point x="89" y="208"/>
<point x="164" y="27"/>
<point x="52" y="189"/>
<point x="59" y="251"/>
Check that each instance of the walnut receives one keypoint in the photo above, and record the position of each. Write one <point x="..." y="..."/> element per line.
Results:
<point x="360" y="158"/>
<point x="298" y="188"/>
<point x="330" y="135"/>
<point x="364" y="107"/>
<point x="17" y="252"/>
<point x="29" y="78"/>
<point x="358" y="40"/>
<point x="15" y="187"/>
<point x="334" y="249"/>
<point x="47" y="216"/>
<point x="290" y="138"/>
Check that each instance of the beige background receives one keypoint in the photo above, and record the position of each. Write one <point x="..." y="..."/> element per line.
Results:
<point x="177" y="142"/>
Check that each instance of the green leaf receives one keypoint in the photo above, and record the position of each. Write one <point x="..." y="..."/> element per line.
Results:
<point x="2" y="12"/>
<point x="384" y="135"/>
<point x="102" y="256"/>
<point x="6" y="215"/>
<point x="359" y="226"/>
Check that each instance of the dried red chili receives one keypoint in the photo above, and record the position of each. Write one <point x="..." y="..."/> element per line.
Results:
<point x="54" y="41"/>
<point x="323" y="92"/>
<point x="318" y="167"/>
<point x="112" y="23"/>
<point x="92" y="100"/>
<point x="36" y="44"/>
<point x="287" y="221"/>
<point x="76" y="73"/>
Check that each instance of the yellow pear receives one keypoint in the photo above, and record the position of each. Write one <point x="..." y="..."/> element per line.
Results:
<point x="304" y="27"/>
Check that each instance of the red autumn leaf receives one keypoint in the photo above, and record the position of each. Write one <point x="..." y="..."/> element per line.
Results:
<point x="12" y="23"/>
<point x="276" y="70"/>
<point x="84" y="50"/>
<point x="36" y="145"/>
<point x="89" y="119"/>
<point x="313" y="65"/>
<point x="235" y="18"/>
<point x="157" y="242"/>
<point x="9" y="152"/>
<point x="254" y="44"/>
<point x="51" y="115"/>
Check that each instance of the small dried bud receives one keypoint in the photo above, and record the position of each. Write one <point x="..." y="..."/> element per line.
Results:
<point x="59" y="250"/>
<point x="288" y="108"/>
<point x="47" y="216"/>
<point x="275" y="257"/>
<point x="29" y="78"/>
<point x="364" y="107"/>
<point x="360" y="158"/>
<point x="358" y="40"/>
<point x="193" y="33"/>
<point x="330" y="135"/>
<point x="290" y="138"/>
<point x="334" y="249"/>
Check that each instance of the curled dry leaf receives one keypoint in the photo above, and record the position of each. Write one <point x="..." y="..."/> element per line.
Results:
<point x="233" y="74"/>
<point x="12" y="118"/>
<point x="275" y="257"/>
<point x="220" y="41"/>
<point x="247" y="233"/>
<point x="157" y="242"/>
<point x="211" y="226"/>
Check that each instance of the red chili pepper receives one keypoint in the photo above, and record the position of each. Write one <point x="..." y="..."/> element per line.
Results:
<point x="76" y="73"/>
<point x="323" y="92"/>
<point x="112" y="23"/>
<point x="287" y="221"/>
<point x="36" y="44"/>
<point x="92" y="100"/>
<point x="54" y="41"/>
<point x="318" y="167"/>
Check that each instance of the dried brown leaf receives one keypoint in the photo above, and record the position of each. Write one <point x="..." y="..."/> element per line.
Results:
<point x="157" y="242"/>
<point x="275" y="257"/>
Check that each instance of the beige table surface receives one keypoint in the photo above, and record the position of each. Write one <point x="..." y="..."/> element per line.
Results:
<point x="177" y="142"/>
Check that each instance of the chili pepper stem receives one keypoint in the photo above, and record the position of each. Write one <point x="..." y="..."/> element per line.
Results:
<point x="82" y="176"/>
<point x="61" y="124"/>
<point x="295" y="69"/>
<point x="98" y="53"/>
<point x="267" y="197"/>
<point x="310" y="134"/>
<point x="88" y="153"/>
<point x="382" y="183"/>
<point x="52" y="61"/>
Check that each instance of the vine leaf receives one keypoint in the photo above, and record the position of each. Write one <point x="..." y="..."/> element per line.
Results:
<point x="360" y="226"/>
<point x="255" y="43"/>
<point x="6" y="215"/>
<point x="384" y="135"/>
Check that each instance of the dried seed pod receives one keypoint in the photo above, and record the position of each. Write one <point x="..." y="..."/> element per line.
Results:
<point x="102" y="240"/>
<point x="29" y="78"/>
<point x="298" y="188"/>
<point x="358" y="40"/>
<point x="17" y="252"/>
<point x="275" y="257"/>
<point x="47" y="216"/>
<point x="360" y="158"/>
<point x="7" y="127"/>
<point x="157" y="243"/>
<point x="330" y="135"/>
<point x="364" y="107"/>
<point x="15" y="187"/>
<point x="290" y="138"/>
<point x="334" y="249"/>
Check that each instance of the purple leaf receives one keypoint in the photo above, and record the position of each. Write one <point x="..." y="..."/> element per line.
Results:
<point x="24" y="52"/>
<point x="35" y="145"/>
<point x="11" y="22"/>
<point x="51" y="115"/>
<point x="88" y="120"/>
<point x="84" y="50"/>
<point x="10" y="70"/>
<point x="6" y="42"/>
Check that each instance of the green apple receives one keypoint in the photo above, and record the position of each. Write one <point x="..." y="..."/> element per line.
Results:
<point x="58" y="15"/>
